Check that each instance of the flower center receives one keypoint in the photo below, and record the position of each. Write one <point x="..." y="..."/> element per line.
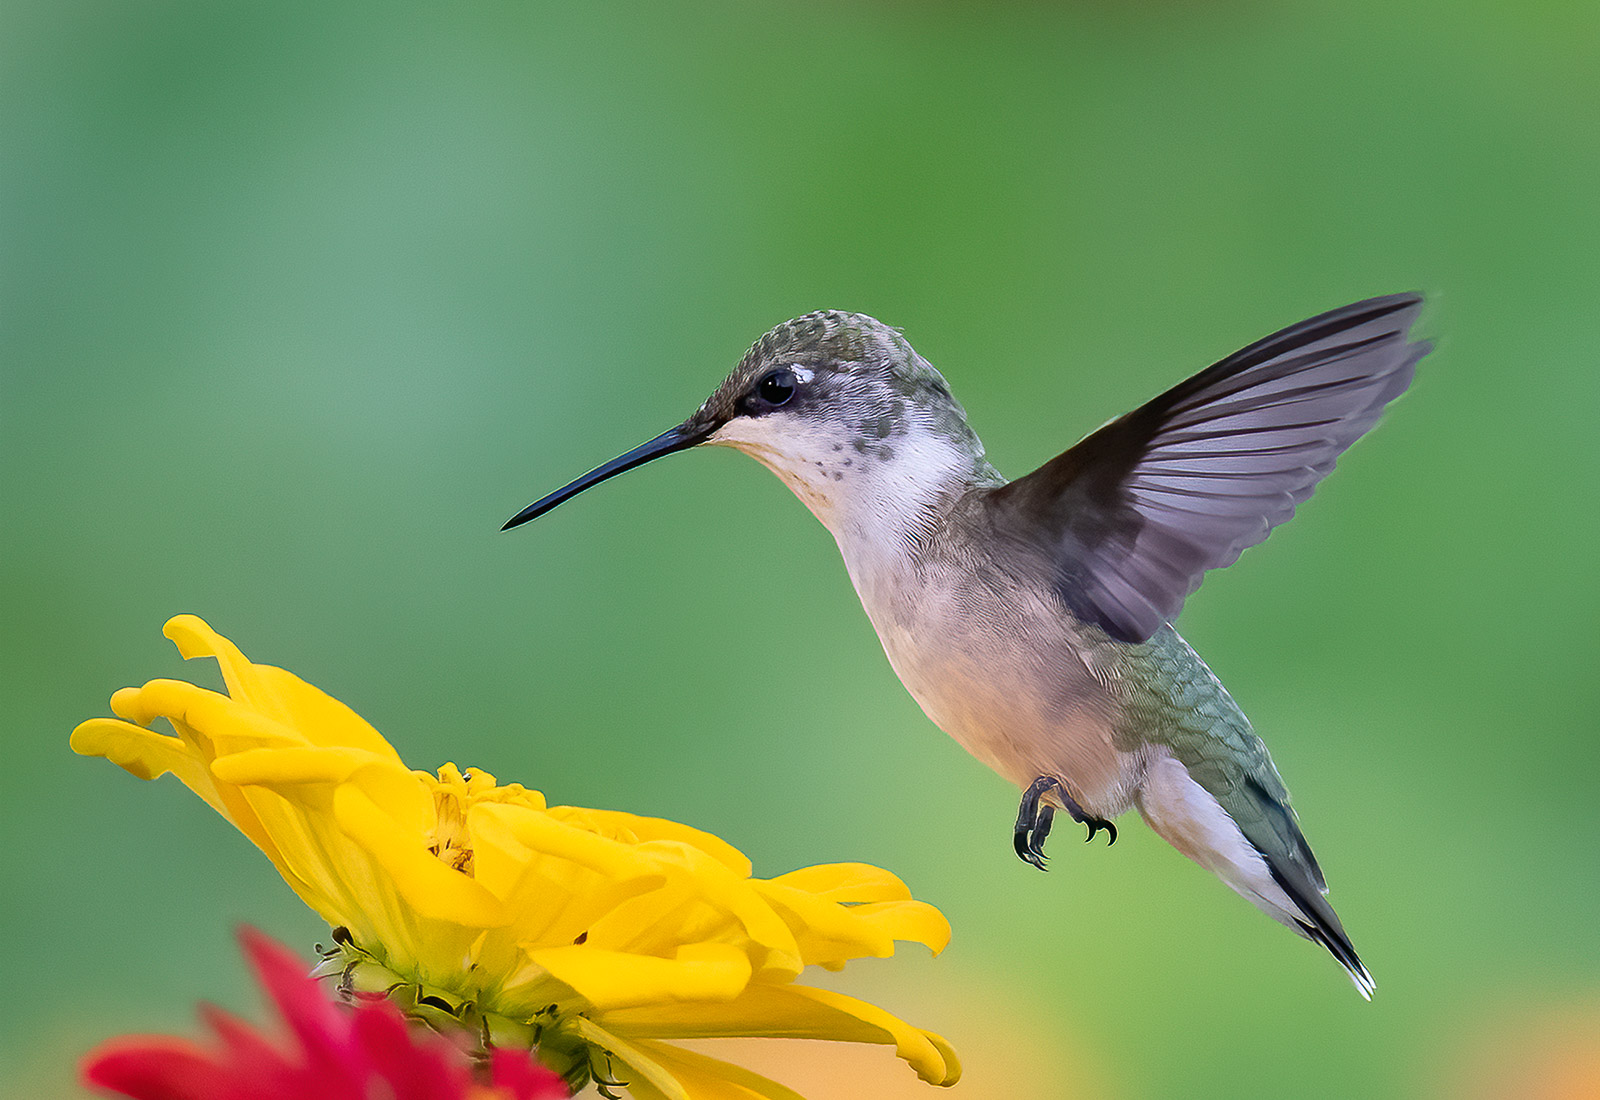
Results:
<point x="451" y="841"/>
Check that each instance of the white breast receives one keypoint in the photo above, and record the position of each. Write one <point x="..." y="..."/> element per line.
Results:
<point x="998" y="667"/>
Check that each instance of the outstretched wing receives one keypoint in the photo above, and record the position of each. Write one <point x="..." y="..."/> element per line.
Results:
<point x="1134" y="515"/>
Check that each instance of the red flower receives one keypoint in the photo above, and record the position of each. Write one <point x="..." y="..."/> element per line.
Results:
<point x="334" y="1053"/>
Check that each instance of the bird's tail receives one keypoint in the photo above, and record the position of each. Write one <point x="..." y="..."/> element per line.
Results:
<point x="1318" y="922"/>
<point x="1273" y="830"/>
<point x="1250" y="839"/>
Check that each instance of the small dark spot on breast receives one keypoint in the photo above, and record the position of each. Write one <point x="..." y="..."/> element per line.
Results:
<point x="860" y="445"/>
<point x="837" y="476"/>
<point x="884" y="452"/>
<point x="849" y="461"/>
<point x="838" y="446"/>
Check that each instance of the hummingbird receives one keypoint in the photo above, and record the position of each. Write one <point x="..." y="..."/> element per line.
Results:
<point x="1032" y="619"/>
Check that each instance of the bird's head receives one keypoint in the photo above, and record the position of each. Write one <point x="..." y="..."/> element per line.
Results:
<point x="838" y="405"/>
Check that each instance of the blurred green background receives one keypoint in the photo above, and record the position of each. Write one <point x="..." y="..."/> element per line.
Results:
<point x="301" y="301"/>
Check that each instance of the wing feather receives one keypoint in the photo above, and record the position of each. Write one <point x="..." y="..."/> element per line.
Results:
<point x="1134" y="515"/>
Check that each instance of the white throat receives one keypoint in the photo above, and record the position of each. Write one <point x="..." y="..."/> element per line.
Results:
<point x="881" y="498"/>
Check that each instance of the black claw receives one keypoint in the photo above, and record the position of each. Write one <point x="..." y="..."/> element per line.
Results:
<point x="1034" y="819"/>
<point x="1019" y="841"/>
<point x="1033" y="823"/>
<point x="1041" y="829"/>
<point x="1095" y="824"/>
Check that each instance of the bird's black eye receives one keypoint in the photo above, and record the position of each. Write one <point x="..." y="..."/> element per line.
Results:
<point x="776" y="388"/>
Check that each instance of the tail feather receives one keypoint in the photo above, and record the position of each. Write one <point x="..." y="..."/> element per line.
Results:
<point x="1271" y="828"/>
<point x="1319" y="923"/>
<point x="1253" y="843"/>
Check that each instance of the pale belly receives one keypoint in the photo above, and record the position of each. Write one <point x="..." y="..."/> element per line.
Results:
<point x="1017" y="695"/>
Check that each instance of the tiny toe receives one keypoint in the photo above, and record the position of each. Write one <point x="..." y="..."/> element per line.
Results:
<point x="1020" y="842"/>
<point x="1095" y="824"/>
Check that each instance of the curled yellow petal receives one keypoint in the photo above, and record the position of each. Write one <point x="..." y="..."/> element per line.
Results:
<point x="922" y="1050"/>
<point x="138" y="751"/>
<point x="846" y="882"/>
<point x="615" y="979"/>
<point x="435" y="890"/>
<point x="633" y="829"/>
<point x="908" y="921"/>
<point x="149" y="755"/>
<point x="794" y="1012"/>
<point x="555" y="880"/>
<point x="194" y="638"/>
<point x="233" y="724"/>
<point x="643" y="1076"/>
<point x="826" y="933"/>
<point x="288" y="767"/>
<point x="275" y="693"/>
<point x="706" y="1078"/>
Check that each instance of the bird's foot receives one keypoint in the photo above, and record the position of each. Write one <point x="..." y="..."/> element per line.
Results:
<point x="1033" y="823"/>
<point x="1095" y="825"/>
<point x="1034" y="820"/>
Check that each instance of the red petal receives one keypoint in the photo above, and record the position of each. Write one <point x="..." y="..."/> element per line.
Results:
<point x="417" y="1066"/>
<point x="155" y="1067"/>
<point x="322" y="1029"/>
<point x="245" y="1052"/>
<point x="516" y="1072"/>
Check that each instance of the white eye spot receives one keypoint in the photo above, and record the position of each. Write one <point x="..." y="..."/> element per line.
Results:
<point x="801" y="373"/>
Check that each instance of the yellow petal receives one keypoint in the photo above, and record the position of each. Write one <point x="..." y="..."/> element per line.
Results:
<point x="616" y="823"/>
<point x="616" y="979"/>
<point x="434" y="890"/>
<point x="149" y="755"/>
<point x="277" y="694"/>
<point x="706" y="1078"/>
<point x="702" y="896"/>
<point x="290" y="766"/>
<point x="555" y="880"/>
<point x="952" y="1063"/>
<point x="793" y="1012"/>
<point x="323" y="719"/>
<point x="399" y="792"/>
<point x="907" y="921"/>
<point x="234" y="726"/>
<point x="646" y="1079"/>
<point x="194" y="638"/>
<point x="924" y="1051"/>
<point x="847" y="882"/>
<point x="828" y="934"/>
<point x="138" y="751"/>
<point x="544" y="833"/>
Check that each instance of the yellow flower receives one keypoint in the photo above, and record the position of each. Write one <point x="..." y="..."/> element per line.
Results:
<point x="595" y="935"/>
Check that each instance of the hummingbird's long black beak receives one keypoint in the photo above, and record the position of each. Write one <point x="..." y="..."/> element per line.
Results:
<point x="684" y="436"/>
